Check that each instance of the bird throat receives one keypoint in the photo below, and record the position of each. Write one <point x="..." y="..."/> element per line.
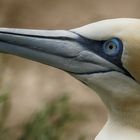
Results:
<point x="114" y="130"/>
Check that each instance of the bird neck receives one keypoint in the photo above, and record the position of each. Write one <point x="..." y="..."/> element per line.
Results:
<point x="115" y="130"/>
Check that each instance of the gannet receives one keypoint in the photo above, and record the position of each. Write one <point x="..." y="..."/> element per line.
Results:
<point x="104" y="55"/>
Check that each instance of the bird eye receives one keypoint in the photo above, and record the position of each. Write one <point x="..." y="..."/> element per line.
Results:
<point x="112" y="47"/>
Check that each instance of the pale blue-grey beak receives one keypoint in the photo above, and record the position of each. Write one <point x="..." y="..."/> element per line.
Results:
<point x="62" y="49"/>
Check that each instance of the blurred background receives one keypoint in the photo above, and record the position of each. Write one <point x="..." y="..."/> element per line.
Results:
<point x="38" y="102"/>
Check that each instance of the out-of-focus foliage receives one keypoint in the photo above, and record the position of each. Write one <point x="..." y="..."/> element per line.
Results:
<point x="4" y="111"/>
<point x="51" y="123"/>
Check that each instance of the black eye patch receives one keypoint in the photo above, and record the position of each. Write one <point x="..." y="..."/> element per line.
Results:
<point x="98" y="47"/>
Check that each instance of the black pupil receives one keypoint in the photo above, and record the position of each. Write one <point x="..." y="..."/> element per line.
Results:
<point x="111" y="46"/>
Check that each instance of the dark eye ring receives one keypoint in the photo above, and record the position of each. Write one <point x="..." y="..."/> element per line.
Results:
<point x="112" y="47"/>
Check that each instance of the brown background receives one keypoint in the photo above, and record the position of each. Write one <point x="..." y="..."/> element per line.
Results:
<point x="31" y="84"/>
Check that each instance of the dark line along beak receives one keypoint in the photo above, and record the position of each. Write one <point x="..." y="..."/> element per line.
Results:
<point x="61" y="49"/>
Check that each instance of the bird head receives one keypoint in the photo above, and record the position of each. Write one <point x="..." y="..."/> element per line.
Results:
<point x="118" y="43"/>
<point x="104" y="55"/>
